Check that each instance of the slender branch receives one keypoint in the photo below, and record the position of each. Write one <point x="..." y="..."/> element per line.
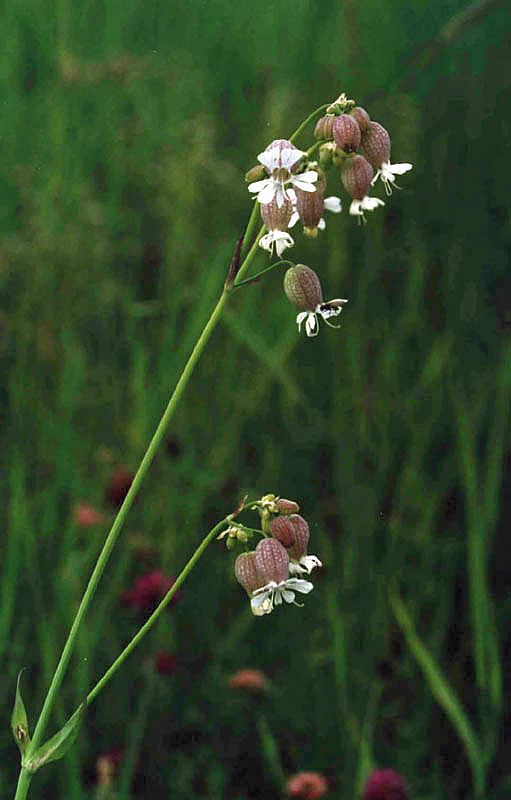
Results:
<point x="307" y="121"/>
<point x="256" y="277"/>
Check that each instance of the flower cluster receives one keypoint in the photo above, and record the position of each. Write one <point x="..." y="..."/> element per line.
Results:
<point x="272" y="573"/>
<point x="291" y="187"/>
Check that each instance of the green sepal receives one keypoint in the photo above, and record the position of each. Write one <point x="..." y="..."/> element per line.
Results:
<point x="59" y="744"/>
<point x="19" y="720"/>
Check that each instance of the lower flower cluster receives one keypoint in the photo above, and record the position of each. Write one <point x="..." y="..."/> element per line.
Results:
<point x="272" y="574"/>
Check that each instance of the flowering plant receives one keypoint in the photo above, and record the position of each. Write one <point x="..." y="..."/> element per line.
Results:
<point x="289" y="185"/>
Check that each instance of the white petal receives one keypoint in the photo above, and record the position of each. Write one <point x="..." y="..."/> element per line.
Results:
<point x="321" y="225"/>
<point x="291" y="195"/>
<point x="294" y="219"/>
<point x="299" y="585"/>
<point x="258" y="186"/>
<point x="300" y="318"/>
<point x="278" y="597"/>
<point x="268" y="193"/>
<point x="267" y="242"/>
<point x="310" y="176"/>
<point x="310" y="563"/>
<point x="289" y="156"/>
<point x="296" y="569"/>
<point x="333" y="204"/>
<point x="311" y="324"/>
<point x="397" y="169"/>
<point x="356" y="208"/>
<point x="288" y="595"/>
<point x="269" y="158"/>
<point x="262" y="604"/>
<point x="280" y="194"/>
<point x="370" y="203"/>
<point x="282" y="241"/>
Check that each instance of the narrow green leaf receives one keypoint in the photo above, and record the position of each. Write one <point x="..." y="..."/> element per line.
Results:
<point x="59" y="744"/>
<point x="19" y="720"/>
<point x="443" y="694"/>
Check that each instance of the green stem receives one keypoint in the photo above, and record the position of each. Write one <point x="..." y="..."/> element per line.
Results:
<point x="307" y="121"/>
<point x="22" y="788"/>
<point x="113" y="535"/>
<point x="148" y="624"/>
<point x="256" y="277"/>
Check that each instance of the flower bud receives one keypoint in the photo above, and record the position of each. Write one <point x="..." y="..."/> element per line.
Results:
<point x="302" y="536"/>
<point x="275" y="218"/>
<point x="356" y="176"/>
<point x="283" y="530"/>
<point x="256" y="173"/>
<point x="272" y="561"/>
<point x="247" y="573"/>
<point x="310" y="207"/>
<point x="286" y="506"/>
<point x="302" y="287"/>
<point x="346" y="133"/>
<point x="362" y="117"/>
<point x="324" y="127"/>
<point x="384" y="784"/>
<point x="376" y="144"/>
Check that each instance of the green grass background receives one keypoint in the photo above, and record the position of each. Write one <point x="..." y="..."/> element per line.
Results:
<point x="125" y="132"/>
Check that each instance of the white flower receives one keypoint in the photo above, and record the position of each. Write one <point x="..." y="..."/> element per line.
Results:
<point x="367" y="203"/>
<point x="267" y="597"/>
<point x="278" y="159"/>
<point x="388" y="172"/>
<point x="332" y="204"/>
<point x="305" y="565"/>
<point x="325" y="310"/>
<point x="276" y="240"/>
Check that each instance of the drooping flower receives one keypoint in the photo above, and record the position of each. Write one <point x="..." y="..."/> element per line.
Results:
<point x="279" y="159"/>
<point x="308" y="208"/>
<point x="277" y="220"/>
<point x="356" y="176"/>
<point x="299" y="562"/>
<point x="264" y="574"/>
<point x="362" y="117"/>
<point x="385" y="784"/>
<point x="376" y="148"/>
<point x="303" y="289"/>
<point x="249" y="680"/>
<point x="307" y="786"/>
<point x="346" y="133"/>
<point x="148" y="590"/>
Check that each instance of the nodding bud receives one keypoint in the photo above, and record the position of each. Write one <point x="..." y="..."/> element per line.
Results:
<point x="362" y="117"/>
<point x="256" y="173"/>
<point x="309" y="206"/>
<point x="346" y="133"/>
<point x="376" y="144"/>
<point x="247" y="573"/>
<point x="324" y="127"/>
<point x="272" y="561"/>
<point x="302" y="287"/>
<point x="283" y="530"/>
<point x="302" y="536"/>
<point x="287" y="506"/>
<point x="356" y="176"/>
<point x="275" y="218"/>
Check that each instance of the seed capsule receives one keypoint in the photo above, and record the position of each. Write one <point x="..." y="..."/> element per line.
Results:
<point x="283" y="530"/>
<point x="324" y="127"/>
<point x="246" y="572"/>
<point x="302" y="287"/>
<point x="302" y="536"/>
<point x="272" y="561"/>
<point x="275" y="218"/>
<point x="356" y="176"/>
<point x="362" y="117"/>
<point x="376" y="144"/>
<point x="287" y="506"/>
<point x="310" y="206"/>
<point x="346" y="133"/>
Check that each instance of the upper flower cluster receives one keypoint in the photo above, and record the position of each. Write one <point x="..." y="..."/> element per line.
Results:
<point x="272" y="573"/>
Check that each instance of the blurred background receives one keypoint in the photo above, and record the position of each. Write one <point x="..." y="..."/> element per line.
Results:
<point x="126" y="130"/>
